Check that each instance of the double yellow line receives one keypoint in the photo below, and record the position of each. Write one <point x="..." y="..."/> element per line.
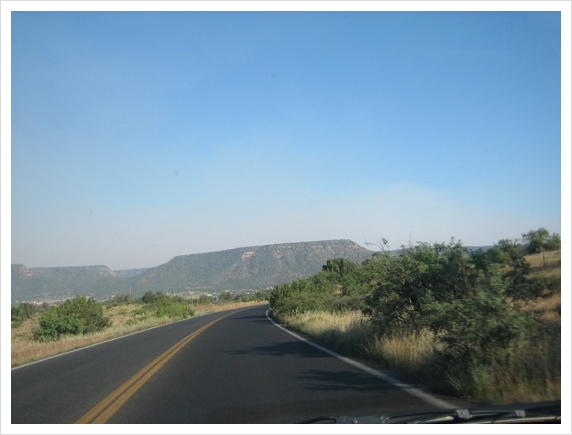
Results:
<point x="105" y="409"/>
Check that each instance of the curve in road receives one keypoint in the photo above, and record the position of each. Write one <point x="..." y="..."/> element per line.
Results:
<point x="232" y="367"/>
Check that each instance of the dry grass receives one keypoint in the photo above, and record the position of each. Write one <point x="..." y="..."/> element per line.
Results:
<point x="533" y="376"/>
<point x="552" y="260"/>
<point x="123" y="321"/>
<point x="405" y="352"/>
<point x="549" y="309"/>
<point x="347" y="331"/>
<point x="534" y="373"/>
<point x="352" y="332"/>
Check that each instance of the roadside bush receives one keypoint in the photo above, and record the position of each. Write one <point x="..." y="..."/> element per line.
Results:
<point x="470" y="305"/>
<point x="478" y="330"/>
<point x="204" y="299"/>
<point x="301" y="296"/>
<point x="79" y="316"/>
<point x="175" y="309"/>
<point x="225" y="297"/>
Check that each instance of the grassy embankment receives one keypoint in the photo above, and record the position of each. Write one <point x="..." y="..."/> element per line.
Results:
<point x="411" y="356"/>
<point x="125" y="319"/>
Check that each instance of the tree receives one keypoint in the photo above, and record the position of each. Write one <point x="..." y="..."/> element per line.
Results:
<point x="150" y="297"/>
<point x="26" y="311"/>
<point x="540" y="241"/>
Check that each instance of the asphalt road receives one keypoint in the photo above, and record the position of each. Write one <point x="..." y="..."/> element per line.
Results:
<point x="240" y="369"/>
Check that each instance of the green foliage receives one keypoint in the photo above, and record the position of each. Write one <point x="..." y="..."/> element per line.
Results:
<point x="225" y="297"/>
<point x="14" y="311"/>
<point x="79" y="316"/>
<point x="540" y="240"/>
<point x="541" y="287"/>
<point x="121" y="299"/>
<point x="478" y="329"/>
<point x="300" y="296"/>
<point x="204" y="299"/>
<point x="237" y="270"/>
<point x="263" y="295"/>
<point x="26" y="310"/>
<point x="54" y="324"/>
<point x="469" y="300"/>
<point x="22" y="312"/>
<point x="150" y="297"/>
<point x="175" y="308"/>
<point x="411" y="283"/>
<point x="510" y="255"/>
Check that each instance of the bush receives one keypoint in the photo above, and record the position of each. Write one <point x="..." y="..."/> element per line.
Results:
<point x="225" y="297"/>
<point x="175" y="309"/>
<point x="79" y="316"/>
<point x="150" y="297"/>
<point x="118" y="300"/>
<point x="478" y="330"/>
<point x="204" y="299"/>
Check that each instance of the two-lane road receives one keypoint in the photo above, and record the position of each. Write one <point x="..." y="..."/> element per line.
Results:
<point x="235" y="367"/>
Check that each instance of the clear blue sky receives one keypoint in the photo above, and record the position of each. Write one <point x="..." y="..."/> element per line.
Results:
<point x="137" y="137"/>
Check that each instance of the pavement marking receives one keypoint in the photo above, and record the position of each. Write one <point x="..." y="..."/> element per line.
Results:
<point x="428" y="398"/>
<point x="105" y="409"/>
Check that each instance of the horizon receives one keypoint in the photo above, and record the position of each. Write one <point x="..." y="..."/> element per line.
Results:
<point x="238" y="248"/>
<point x="138" y="137"/>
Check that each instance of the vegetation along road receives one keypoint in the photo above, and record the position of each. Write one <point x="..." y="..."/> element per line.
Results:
<point x="227" y="367"/>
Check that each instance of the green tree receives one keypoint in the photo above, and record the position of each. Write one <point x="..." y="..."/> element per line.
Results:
<point x="511" y="256"/>
<point x="540" y="240"/>
<point x="23" y="311"/>
<point x="407" y="284"/>
<point x="151" y="298"/>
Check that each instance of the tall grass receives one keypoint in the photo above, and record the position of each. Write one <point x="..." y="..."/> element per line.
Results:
<point x="533" y="372"/>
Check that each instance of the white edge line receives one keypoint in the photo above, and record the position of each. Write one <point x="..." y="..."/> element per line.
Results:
<point x="384" y="377"/>
<point x="101" y="342"/>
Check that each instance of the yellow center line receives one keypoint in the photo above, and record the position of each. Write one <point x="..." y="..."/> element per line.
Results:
<point x="105" y="409"/>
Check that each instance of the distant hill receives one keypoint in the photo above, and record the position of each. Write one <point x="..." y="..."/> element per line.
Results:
<point x="239" y="269"/>
<point x="130" y="273"/>
<point x="56" y="283"/>
<point x="253" y="267"/>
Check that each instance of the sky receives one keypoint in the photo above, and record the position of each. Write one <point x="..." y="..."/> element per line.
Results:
<point x="139" y="136"/>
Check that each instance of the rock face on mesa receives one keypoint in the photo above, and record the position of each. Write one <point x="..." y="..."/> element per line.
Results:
<point x="253" y="267"/>
<point x="250" y="268"/>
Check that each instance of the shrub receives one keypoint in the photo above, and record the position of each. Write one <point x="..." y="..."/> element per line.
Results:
<point x="79" y="316"/>
<point x="204" y="299"/>
<point x="26" y="311"/>
<point x="150" y="297"/>
<point x="175" y="309"/>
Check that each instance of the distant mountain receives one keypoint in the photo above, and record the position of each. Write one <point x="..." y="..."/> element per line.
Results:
<point x="130" y="273"/>
<point x="249" y="268"/>
<point x="253" y="267"/>
<point x="56" y="283"/>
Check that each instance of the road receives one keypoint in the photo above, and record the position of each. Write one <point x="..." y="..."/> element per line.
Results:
<point x="229" y="367"/>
